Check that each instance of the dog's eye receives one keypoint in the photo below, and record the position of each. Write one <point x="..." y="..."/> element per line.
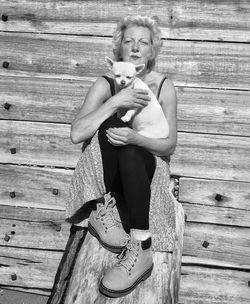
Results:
<point x="129" y="77"/>
<point x="117" y="75"/>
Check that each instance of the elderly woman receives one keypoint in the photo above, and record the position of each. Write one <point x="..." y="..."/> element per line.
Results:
<point x="117" y="160"/>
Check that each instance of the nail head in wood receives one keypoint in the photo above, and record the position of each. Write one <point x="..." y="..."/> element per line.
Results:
<point x="13" y="150"/>
<point x="4" y="17"/>
<point x="58" y="228"/>
<point x="7" y="105"/>
<point x="6" y="237"/>
<point x="205" y="244"/>
<point x="6" y="64"/>
<point x="55" y="191"/>
<point x="12" y="194"/>
<point x="13" y="277"/>
<point x="218" y="197"/>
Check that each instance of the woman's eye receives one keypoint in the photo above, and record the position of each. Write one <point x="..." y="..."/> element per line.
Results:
<point x="145" y="42"/>
<point x="127" y="41"/>
<point x="117" y="76"/>
<point x="129" y="77"/>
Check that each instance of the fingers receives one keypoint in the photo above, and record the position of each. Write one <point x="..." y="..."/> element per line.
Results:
<point x="114" y="137"/>
<point x="143" y="97"/>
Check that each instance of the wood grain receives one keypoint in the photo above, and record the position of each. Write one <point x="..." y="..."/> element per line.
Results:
<point x="217" y="215"/>
<point x="38" y="143"/>
<point x="202" y="280"/>
<point x="222" y="21"/>
<point x="196" y="155"/>
<point x="196" y="64"/>
<point x="225" y="243"/>
<point x="213" y="286"/>
<point x="40" y="234"/>
<point x="54" y="100"/>
<point x="234" y="195"/>
<point x="34" y="187"/>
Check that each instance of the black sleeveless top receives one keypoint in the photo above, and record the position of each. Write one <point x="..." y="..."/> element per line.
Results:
<point x="112" y="85"/>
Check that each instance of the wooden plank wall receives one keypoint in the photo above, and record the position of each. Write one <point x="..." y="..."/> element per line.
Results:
<point x="50" y="53"/>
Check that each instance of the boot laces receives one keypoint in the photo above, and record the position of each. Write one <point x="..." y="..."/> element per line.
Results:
<point x="129" y="255"/>
<point x="106" y="212"/>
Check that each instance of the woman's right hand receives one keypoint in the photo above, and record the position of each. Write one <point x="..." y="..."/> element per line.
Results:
<point x="131" y="98"/>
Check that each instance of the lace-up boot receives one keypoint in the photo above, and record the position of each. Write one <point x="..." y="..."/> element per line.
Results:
<point x="134" y="266"/>
<point x="104" y="225"/>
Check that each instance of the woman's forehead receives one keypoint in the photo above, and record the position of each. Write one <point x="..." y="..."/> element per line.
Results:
<point x="137" y="31"/>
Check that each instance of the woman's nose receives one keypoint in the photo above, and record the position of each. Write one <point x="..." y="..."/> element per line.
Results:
<point x="135" y="47"/>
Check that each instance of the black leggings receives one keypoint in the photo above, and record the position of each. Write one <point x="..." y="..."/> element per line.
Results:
<point x="128" y="171"/>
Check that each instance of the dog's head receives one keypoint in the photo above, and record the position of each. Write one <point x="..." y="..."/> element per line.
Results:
<point x="123" y="72"/>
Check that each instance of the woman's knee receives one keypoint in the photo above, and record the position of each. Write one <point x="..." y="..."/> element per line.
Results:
<point x="130" y="155"/>
<point x="134" y="159"/>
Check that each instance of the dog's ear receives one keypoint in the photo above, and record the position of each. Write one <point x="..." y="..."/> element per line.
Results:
<point x="139" y="68"/>
<point x="109" y="61"/>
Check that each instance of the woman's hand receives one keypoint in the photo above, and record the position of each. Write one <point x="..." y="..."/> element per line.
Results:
<point x="121" y="136"/>
<point x="131" y="98"/>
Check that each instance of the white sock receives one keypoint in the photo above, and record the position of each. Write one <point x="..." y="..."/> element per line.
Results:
<point x="140" y="235"/>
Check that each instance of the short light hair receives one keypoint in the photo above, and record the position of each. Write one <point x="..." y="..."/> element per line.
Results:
<point x="145" y="21"/>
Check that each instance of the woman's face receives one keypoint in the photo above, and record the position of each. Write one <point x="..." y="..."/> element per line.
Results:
<point x="136" y="46"/>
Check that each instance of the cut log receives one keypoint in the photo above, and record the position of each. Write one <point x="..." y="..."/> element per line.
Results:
<point x="79" y="272"/>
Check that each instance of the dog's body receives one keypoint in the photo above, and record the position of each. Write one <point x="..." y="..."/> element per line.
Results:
<point x="149" y="121"/>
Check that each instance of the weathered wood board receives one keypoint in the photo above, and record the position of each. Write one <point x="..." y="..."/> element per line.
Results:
<point x="189" y="63"/>
<point x="227" y="243"/>
<point x="217" y="215"/>
<point x="218" y="242"/>
<point x="215" y="193"/>
<point x="46" y="189"/>
<point x="223" y="21"/>
<point x="215" y="284"/>
<point x="54" y="100"/>
<point x="196" y="155"/>
<point x="34" y="187"/>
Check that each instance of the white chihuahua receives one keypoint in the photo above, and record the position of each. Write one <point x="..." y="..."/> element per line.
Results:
<point x="149" y="121"/>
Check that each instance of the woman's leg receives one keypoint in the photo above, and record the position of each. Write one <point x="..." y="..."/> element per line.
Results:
<point x="110" y="155"/>
<point x="137" y="167"/>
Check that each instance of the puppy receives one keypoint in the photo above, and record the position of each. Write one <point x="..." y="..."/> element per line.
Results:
<point x="149" y="121"/>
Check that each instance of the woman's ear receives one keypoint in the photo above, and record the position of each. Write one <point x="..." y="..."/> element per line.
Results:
<point x="109" y="61"/>
<point x="139" y="68"/>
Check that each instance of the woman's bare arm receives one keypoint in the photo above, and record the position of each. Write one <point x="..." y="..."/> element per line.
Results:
<point x="93" y="111"/>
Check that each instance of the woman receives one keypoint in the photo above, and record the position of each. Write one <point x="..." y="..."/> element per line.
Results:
<point x="129" y="161"/>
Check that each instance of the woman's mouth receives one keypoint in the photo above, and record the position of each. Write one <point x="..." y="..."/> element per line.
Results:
<point x="135" y="56"/>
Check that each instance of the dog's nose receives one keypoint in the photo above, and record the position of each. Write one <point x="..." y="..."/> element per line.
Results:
<point x="123" y="82"/>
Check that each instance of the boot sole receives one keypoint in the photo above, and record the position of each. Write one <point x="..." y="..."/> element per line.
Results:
<point x="94" y="233"/>
<point x="121" y="293"/>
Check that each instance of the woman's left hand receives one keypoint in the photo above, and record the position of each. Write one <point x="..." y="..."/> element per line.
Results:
<point x="121" y="136"/>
